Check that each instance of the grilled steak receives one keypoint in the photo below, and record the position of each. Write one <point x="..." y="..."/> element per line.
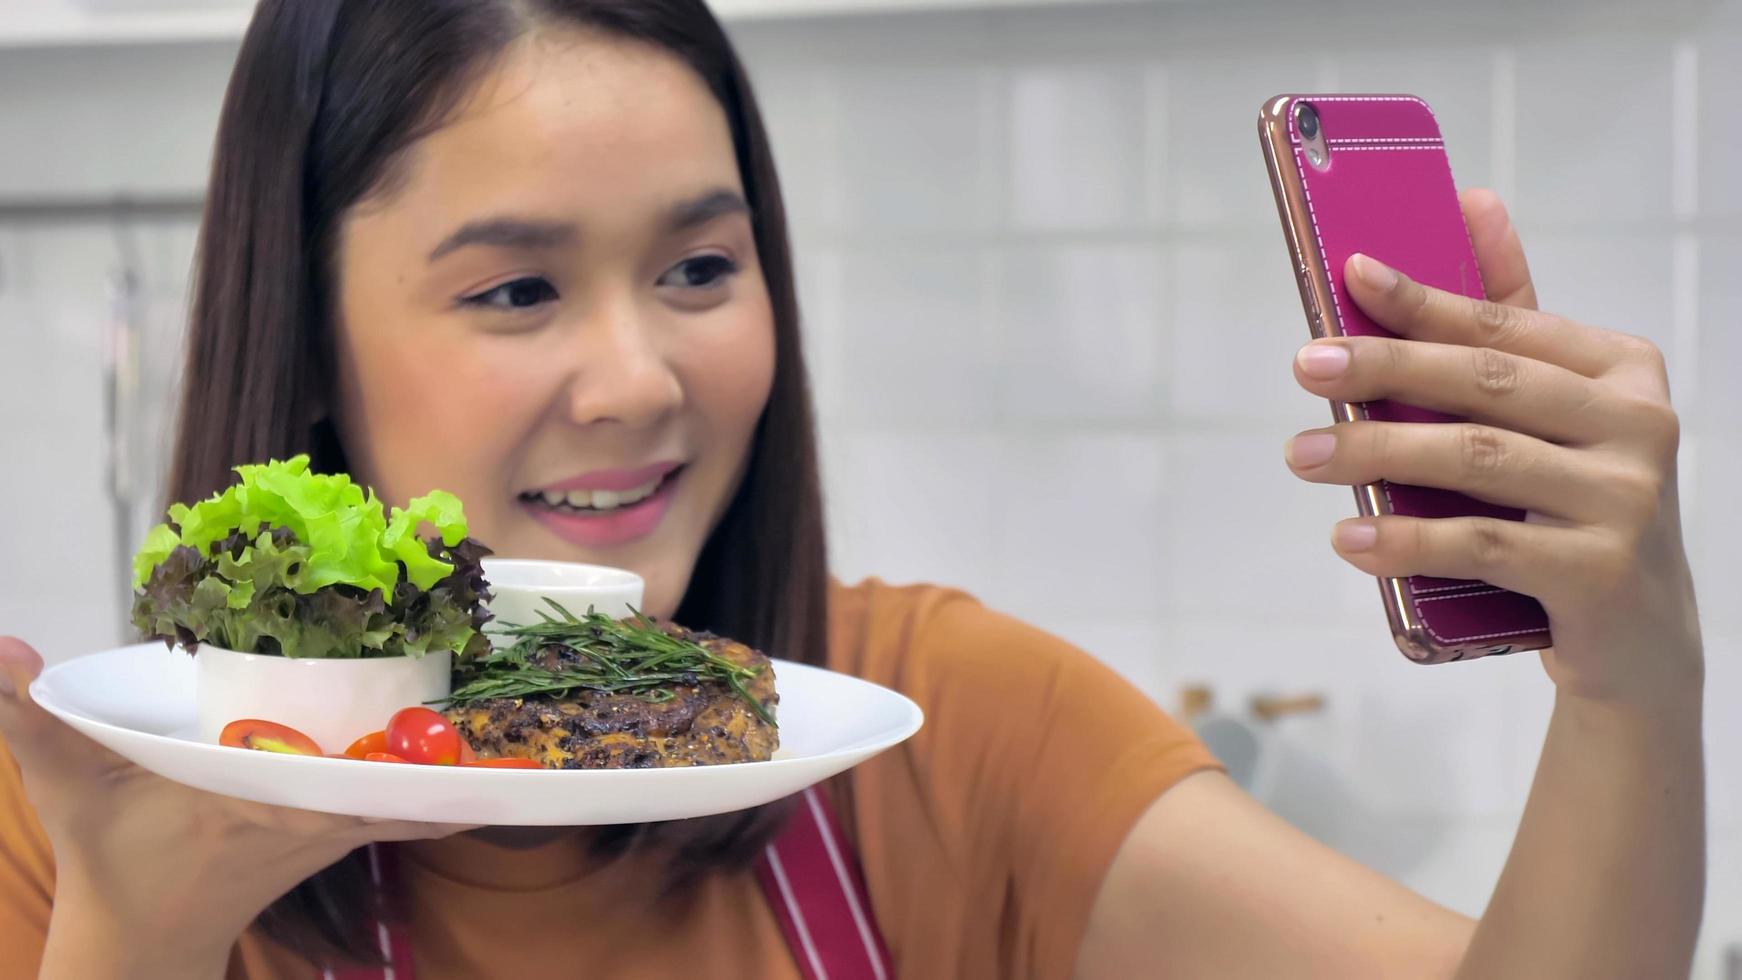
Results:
<point x="704" y="723"/>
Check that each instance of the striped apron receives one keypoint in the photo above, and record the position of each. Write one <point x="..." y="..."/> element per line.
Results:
<point x="808" y="874"/>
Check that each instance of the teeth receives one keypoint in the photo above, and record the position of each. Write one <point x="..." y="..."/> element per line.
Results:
<point x="636" y="495"/>
<point x="600" y="500"/>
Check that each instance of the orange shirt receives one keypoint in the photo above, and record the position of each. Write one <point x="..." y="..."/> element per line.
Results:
<point x="984" y="838"/>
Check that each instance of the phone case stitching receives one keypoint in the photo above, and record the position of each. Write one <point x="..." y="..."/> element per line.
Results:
<point x="1357" y="143"/>
<point x="1438" y="140"/>
<point x="1483" y="636"/>
<point x="1337" y="305"/>
<point x="1460" y="595"/>
<point x="1367" y="98"/>
<point x="1452" y="588"/>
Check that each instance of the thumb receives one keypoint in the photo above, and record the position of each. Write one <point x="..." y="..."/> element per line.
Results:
<point x="19" y="665"/>
<point x="1499" y="253"/>
<point x="39" y="741"/>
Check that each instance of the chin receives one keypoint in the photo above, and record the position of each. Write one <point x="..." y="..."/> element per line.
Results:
<point x="665" y="591"/>
<point x="667" y="576"/>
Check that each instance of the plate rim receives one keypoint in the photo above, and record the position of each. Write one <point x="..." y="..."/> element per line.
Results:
<point x="911" y="724"/>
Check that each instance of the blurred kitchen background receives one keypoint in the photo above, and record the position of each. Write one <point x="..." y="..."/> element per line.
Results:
<point x="1050" y="320"/>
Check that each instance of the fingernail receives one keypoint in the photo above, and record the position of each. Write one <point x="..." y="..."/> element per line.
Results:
<point x="1355" y="536"/>
<point x="1312" y="449"/>
<point x="1323" y="361"/>
<point x="1376" y="274"/>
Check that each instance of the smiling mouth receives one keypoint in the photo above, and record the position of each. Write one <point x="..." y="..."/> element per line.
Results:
<point x="594" y="501"/>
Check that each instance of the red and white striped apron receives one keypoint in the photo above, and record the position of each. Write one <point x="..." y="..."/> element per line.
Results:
<point x="809" y="875"/>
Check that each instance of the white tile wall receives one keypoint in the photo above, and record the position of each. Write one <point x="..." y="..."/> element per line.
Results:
<point x="1210" y="119"/>
<point x="1236" y="328"/>
<point x="1593" y="130"/>
<point x="1622" y="282"/>
<point x="1059" y="312"/>
<point x="1079" y="508"/>
<point x="923" y="168"/>
<point x="912" y="506"/>
<point x="1251" y="543"/>
<point x="1714" y="529"/>
<point x="1720" y="314"/>
<point x="1050" y="323"/>
<point x="1076" y="159"/>
<point x="916" y="343"/>
<point x="798" y="103"/>
<point x="83" y="128"/>
<point x="1720" y="144"/>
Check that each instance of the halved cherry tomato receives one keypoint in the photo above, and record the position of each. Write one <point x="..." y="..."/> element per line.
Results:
<point x="385" y="757"/>
<point x="267" y="736"/>
<point x="424" y="736"/>
<point x="467" y="756"/>
<point x="372" y="742"/>
<point x="503" y="764"/>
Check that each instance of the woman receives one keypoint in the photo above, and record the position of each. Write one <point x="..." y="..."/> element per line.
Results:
<point x="512" y="247"/>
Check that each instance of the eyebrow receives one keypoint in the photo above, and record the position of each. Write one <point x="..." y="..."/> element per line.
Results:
<point x="529" y="234"/>
<point x="699" y="211"/>
<point x="521" y="233"/>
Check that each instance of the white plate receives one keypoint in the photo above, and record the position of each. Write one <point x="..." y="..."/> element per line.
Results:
<point x="139" y="701"/>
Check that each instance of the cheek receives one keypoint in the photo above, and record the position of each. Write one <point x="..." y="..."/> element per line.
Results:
<point x="736" y="373"/>
<point x="424" y="408"/>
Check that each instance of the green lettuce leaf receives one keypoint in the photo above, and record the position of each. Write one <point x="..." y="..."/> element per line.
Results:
<point x="422" y="565"/>
<point x="301" y="564"/>
<point x="159" y="544"/>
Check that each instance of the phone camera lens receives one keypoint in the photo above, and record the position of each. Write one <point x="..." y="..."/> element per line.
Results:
<point x="1308" y="120"/>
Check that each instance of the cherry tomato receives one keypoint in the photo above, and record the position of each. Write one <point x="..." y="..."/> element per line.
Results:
<point x="372" y="742"/>
<point x="504" y="764"/>
<point x="467" y="756"/>
<point x="267" y="736"/>
<point x="385" y="757"/>
<point x="423" y="736"/>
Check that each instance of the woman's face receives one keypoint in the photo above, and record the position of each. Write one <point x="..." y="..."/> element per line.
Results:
<point x="556" y="312"/>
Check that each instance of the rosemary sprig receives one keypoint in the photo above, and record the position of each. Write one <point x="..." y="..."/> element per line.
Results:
<point x="629" y="656"/>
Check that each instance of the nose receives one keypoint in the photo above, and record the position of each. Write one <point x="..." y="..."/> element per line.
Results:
<point x="622" y="373"/>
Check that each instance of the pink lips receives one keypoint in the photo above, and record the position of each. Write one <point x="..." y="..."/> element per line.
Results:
<point x="613" y="479"/>
<point x="612" y="528"/>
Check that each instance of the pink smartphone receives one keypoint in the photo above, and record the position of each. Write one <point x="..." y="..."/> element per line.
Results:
<point x="1368" y="173"/>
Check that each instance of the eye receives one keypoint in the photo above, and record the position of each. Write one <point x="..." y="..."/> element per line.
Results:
<point x="520" y="294"/>
<point x="700" y="272"/>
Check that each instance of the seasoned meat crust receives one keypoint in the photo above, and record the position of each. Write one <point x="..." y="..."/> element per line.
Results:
<point x="704" y="724"/>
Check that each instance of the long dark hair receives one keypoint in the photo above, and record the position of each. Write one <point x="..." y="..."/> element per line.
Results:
<point x="325" y="96"/>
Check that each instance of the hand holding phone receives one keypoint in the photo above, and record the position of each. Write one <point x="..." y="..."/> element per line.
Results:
<point x="1369" y="174"/>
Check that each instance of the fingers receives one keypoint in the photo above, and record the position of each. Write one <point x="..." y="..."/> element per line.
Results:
<point x="1499" y="253"/>
<point x="39" y="741"/>
<point x="1480" y="383"/>
<point x="1487" y="463"/>
<point x="323" y="832"/>
<point x="1410" y="309"/>
<point x="1553" y="564"/>
<point x="19" y="665"/>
